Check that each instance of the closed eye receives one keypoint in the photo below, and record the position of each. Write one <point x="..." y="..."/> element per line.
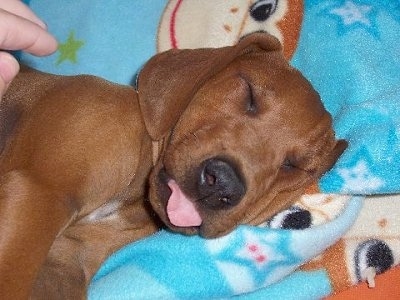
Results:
<point x="287" y="165"/>
<point x="291" y="164"/>
<point x="251" y="103"/>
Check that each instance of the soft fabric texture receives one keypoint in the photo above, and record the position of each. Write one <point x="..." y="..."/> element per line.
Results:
<point x="352" y="59"/>
<point x="348" y="49"/>
<point x="171" y="266"/>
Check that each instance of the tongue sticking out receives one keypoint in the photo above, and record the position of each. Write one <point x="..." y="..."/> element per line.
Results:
<point x="180" y="209"/>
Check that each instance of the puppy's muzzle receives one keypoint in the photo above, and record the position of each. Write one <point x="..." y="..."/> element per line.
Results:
<point x="220" y="186"/>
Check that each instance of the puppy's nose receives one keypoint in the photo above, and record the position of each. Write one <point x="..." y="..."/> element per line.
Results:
<point x="220" y="185"/>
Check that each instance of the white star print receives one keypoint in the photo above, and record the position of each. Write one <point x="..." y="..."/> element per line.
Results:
<point x="352" y="13"/>
<point x="360" y="179"/>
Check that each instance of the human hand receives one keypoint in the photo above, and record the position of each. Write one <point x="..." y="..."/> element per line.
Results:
<point x="20" y="29"/>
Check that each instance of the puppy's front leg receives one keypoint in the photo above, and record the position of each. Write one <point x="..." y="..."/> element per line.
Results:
<point x="30" y="218"/>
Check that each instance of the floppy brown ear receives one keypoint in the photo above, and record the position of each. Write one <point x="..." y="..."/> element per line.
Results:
<point x="333" y="156"/>
<point x="168" y="82"/>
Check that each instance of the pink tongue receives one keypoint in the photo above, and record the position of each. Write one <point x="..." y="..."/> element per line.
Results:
<point x="180" y="209"/>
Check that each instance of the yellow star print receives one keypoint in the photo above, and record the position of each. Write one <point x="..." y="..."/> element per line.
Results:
<point x="69" y="49"/>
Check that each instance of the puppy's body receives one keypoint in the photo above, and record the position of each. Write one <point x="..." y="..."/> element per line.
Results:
<point x="84" y="165"/>
<point x="240" y="136"/>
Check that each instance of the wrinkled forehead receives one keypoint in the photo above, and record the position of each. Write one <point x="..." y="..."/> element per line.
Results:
<point x="286" y="82"/>
<point x="286" y="93"/>
<point x="272" y="68"/>
<point x="261" y="61"/>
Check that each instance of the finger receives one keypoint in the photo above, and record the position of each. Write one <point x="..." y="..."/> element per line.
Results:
<point x="9" y="68"/>
<point x="3" y="88"/>
<point x="17" y="33"/>
<point x="18" y="8"/>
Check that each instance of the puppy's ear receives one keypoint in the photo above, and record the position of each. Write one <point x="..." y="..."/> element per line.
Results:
<point x="168" y="82"/>
<point x="329" y="160"/>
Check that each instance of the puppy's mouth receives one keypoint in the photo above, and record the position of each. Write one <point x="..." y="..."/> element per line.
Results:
<point x="181" y="210"/>
<point x="187" y="204"/>
<point x="176" y="207"/>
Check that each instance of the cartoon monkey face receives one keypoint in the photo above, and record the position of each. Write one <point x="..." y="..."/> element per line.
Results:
<point x="197" y="24"/>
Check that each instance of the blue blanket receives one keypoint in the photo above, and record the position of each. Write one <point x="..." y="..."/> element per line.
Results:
<point x="348" y="49"/>
<point x="352" y="57"/>
<point x="167" y="266"/>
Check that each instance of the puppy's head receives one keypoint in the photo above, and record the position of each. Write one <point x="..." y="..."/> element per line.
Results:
<point x="243" y="135"/>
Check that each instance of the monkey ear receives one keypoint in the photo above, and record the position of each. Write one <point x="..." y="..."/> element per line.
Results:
<point x="169" y="80"/>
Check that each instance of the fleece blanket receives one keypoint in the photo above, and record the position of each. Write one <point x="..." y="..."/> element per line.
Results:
<point x="350" y="52"/>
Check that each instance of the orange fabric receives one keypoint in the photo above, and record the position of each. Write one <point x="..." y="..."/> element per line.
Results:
<point x="387" y="288"/>
<point x="291" y="26"/>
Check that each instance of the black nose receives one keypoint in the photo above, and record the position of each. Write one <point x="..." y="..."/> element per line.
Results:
<point x="220" y="184"/>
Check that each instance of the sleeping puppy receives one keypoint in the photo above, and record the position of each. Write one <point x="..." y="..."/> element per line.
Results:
<point x="211" y="138"/>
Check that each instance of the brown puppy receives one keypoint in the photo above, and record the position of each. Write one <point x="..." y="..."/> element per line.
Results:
<point x="235" y="134"/>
